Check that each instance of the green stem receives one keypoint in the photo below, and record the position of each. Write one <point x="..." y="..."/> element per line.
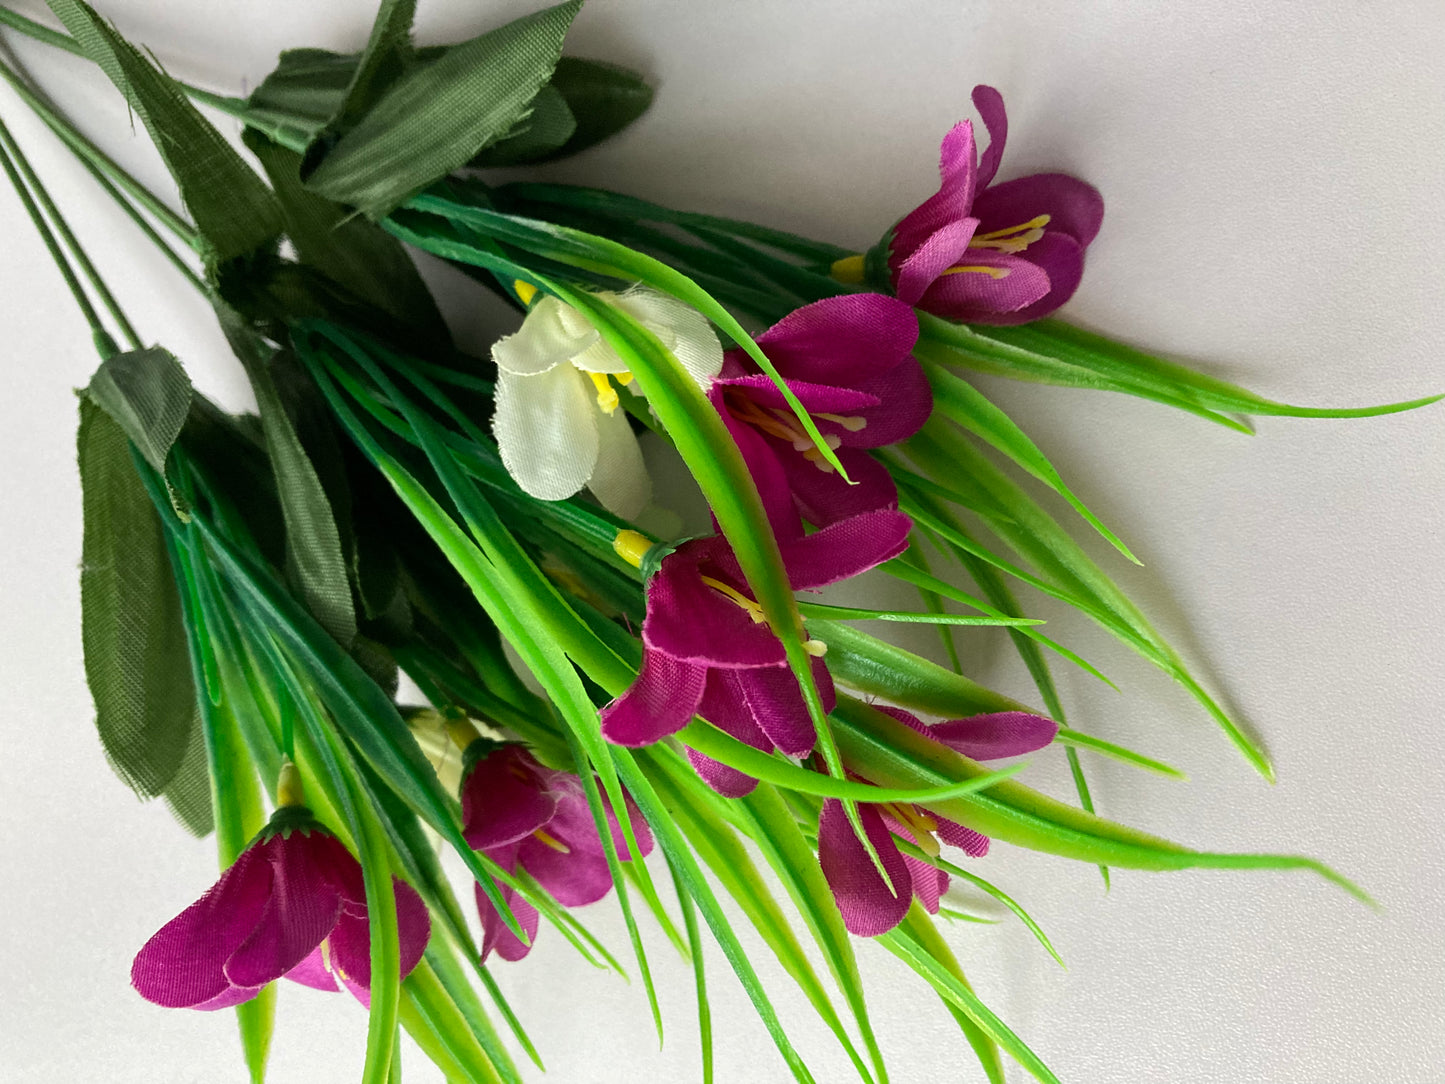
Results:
<point x="84" y="148"/>
<point x="103" y="342"/>
<point x="38" y="190"/>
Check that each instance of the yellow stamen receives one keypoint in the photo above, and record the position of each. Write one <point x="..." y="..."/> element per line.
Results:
<point x="754" y="610"/>
<point x="288" y="787"/>
<point x="851" y="422"/>
<point x="919" y="824"/>
<point x="624" y="378"/>
<point x="631" y="546"/>
<point x="556" y="844"/>
<point x="1022" y="227"/>
<point x="525" y="291"/>
<point x="848" y="270"/>
<point x="607" y="399"/>
<point x="1015" y="238"/>
<point x="991" y="272"/>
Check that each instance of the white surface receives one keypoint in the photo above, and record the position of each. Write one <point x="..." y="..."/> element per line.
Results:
<point x="1273" y="186"/>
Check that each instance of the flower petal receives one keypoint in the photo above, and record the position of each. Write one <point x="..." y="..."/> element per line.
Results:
<point x="683" y="330"/>
<point x="351" y="940"/>
<point x="845" y="548"/>
<point x="182" y="965"/>
<point x="313" y="972"/>
<point x="660" y="702"/>
<point x="619" y="481"/>
<point x="1060" y="257"/>
<point x="842" y="340"/>
<point x="546" y="430"/>
<point x="824" y="498"/>
<point x="868" y="904"/>
<point x="692" y="622"/>
<point x="303" y="907"/>
<point x="929" y="882"/>
<point x="552" y="333"/>
<point x="778" y="708"/>
<point x="574" y="870"/>
<point x="505" y="797"/>
<point x="495" y="934"/>
<point x="1005" y="284"/>
<point x="1000" y="734"/>
<point x="958" y="169"/>
<point x="906" y="401"/>
<point x="974" y="844"/>
<point x="767" y="472"/>
<point x="816" y="398"/>
<point x="934" y="255"/>
<point x="989" y="103"/>
<point x="1074" y="207"/>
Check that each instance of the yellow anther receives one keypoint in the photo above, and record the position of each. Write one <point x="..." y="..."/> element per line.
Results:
<point x="624" y="378"/>
<point x="607" y="399"/>
<point x="753" y="609"/>
<point x="815" y="648"/>
<point x="631" y="546"/>
<point x="1015" y="238"/>
<point x="1022" y="227"/>
<point x="848" y="270"/>
<point x="525" y="291"/>
<point x="288" y="787"/>
<point x="556" y="844"/>
<point x="991" y="272"/>
<point x="851" y="422"/>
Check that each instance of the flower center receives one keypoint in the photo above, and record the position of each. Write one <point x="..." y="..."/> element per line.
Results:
<point x="784" y="424"/>
<point x="1014" y="238"/>
<point x="816" y="648"/>
<point x="919" y="824"/>
<point x="607" y="398"/>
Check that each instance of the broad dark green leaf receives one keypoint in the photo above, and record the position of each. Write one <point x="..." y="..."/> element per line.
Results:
<point x="232" y="209"/>
<point x="437" y="116"/>
<point x="188" y="794"/>
<point x="148" y="394"/>
<point x="536" y="139"/>
<point x="131" y="628"/>
<point x="604" y="98"/>
<point x="382" y="64"/>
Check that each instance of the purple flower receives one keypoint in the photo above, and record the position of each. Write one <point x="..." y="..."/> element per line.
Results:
<point x="707" y="649"/>
<point x="293" y="905"/>
<point x="869" y="906"/>
<point x="525" y="816"/>
<point x="993" y="253"/>
<point x="848" y="360"/>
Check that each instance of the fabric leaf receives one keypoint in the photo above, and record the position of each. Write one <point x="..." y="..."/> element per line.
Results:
<point x="147" y="393"/>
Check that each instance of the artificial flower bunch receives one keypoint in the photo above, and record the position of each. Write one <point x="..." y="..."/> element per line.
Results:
<point x="594" y="693"/>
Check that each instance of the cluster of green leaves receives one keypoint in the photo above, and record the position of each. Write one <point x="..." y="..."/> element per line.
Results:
<point x="364" y="522"/>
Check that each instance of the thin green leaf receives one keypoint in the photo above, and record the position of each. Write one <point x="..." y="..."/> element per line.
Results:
<point x="852" y="613"/>
<point x="695" y="954"/>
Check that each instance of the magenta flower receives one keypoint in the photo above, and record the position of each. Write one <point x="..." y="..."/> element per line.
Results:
<point x="993" y="253"/>
<point x="848" y="360"/>
<point x="526" y="816"/>
<point x="707" y="649"/>
<point x="868" y="904"/>
<point x="291" y="906"/>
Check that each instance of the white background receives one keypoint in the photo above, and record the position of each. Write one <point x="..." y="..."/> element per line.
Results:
<point x="1273" y="182"/>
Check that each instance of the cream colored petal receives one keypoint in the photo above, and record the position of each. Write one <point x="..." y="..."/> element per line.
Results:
<point x="681" y="328"/>
<point x="551" y="334"/>
<point x="546" y="430"/>
<point x="620" y="480"/>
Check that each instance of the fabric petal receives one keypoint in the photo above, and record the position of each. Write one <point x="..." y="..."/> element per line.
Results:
<point x="313" y="972"/>
<point x="1060" y="257"/>
<point x="551" y="333"/>
<point x="869" y="905"/>
<point x="228" y="999"/>
<point x="824" y="498"/>
<point x="1074" y="207"/>
<point x="1008" y="284"/>
<point x="762" y="463"/>
<point x="841" y="340"/>
<point x="505" y="798"/>
<point x="302" y="909"/>
<point x="546" y="431"/>
<point x="929" y="882"/>
<point x="989" y="103"/>
<point x="816" y="398"/>
<point x="182" y="965"/>
<point x="958" y="170"/>
<point x="1000" y="734"/>
<point x="778" y="708"/>
<point x="495" y="934"/>
<point x="906" y="401"/>
<point x="691" y="622"/>
<point x="845" y="548"/>
<point x="661" y="701"/>
<point x="351" y="940"/>
<point x="974" y="844"/>
<point x="683" y="330"/>
<point x="575" y="877"/>
<point x="619" y="481"/>
<point x="934" y="255"/>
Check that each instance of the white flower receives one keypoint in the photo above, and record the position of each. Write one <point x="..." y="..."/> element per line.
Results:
<point x="557" y="421"/>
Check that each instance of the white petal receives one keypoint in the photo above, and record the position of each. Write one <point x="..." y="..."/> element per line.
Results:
<point x="546" y="430"/>
<point x="600" y="357"/>
<point x="620" y="479"/>
<point x="681" y="328"/>
<point x="551" y="334"/>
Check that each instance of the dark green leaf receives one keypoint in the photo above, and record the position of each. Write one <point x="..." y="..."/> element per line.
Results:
<point x="148" y="395"/>
<point x="550" y="125"/>
<point x="437" y="116"/>
<point x="604" y="98"/>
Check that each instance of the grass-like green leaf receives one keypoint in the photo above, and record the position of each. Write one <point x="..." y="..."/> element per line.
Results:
<point x="695" y="954"/>
<point x="813" y="610"/>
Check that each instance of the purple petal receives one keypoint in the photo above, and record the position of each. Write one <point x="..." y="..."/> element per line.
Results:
<point x="958" y="169"/>
<point x="723" y="778"/>
<point x="1000" y="734"/>
<point x="304" y="905"/>
<point x="762" y="464"/>
<point x="816" y="398"/>
<point x="182" y="965"/>
<point x="979" y="296"/>
<point x="576" y="878"/>
<point x="841" y="341"/>
<point x="351" y="940"/>
<point x="943" y="248"/>
<point x="313" y="972"/>
<point x="989" y="103"/>
<point x="929" y="883"/>
<point x="725" y="706"/>
<point x="906" y="403"/>
<point x="495" y="934"/>
<point x="1061" y="258"/>
<point x="505" y="797"/>
<point x="661" y="701"/>
<point x="1074" y="207"/>
<point x="869" y="905"/>
<point x="974" y="844"/>
<point x="776" y="702"/>
<point x="907" y="718"/>
<point x="691" y="622"/>
<point x="228" y="999"/>
<point x="845" y="548"/>
<point x="824" y="498"/>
